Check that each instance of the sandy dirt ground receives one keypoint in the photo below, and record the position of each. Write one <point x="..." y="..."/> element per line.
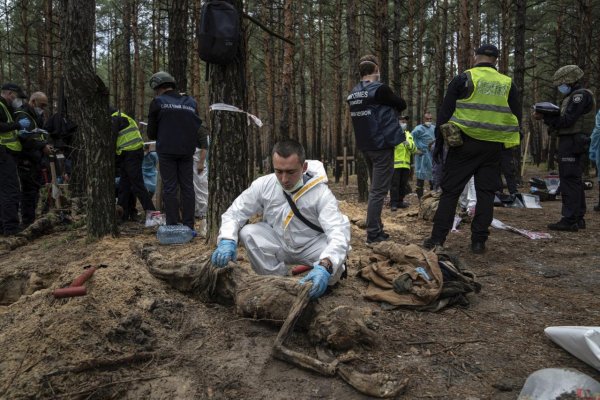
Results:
<point x="134" y="337"/>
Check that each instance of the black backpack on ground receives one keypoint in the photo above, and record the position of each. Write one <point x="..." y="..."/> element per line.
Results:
<point x="218" y="32"/>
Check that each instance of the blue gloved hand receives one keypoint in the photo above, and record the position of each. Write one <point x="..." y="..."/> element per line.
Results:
<point x="319" y="278"/>
<point x="226" y="251"/>
<point x="24" y="123"/>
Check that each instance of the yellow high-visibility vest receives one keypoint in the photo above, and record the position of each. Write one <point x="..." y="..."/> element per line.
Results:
<point x="486" y="115"/>
<point x="402" y="152"/>
<point x="10" y="138"/>
<point x="130" y="137"/>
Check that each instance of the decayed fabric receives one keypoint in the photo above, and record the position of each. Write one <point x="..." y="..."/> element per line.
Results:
<point x="396" y="280"/>
<point x="411" y="276"/>
<point x="429" y="205"/>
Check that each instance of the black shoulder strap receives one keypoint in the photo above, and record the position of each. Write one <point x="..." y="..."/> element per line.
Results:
<point x="300" y="216"/>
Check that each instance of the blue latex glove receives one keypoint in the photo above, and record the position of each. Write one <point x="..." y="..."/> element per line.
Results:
<point x="24" y="123"/>
<point x="226" y="251"/>
<point x="319" y="278"/>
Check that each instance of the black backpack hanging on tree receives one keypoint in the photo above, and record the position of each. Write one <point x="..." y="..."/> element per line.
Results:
<point x="218" y="33"/>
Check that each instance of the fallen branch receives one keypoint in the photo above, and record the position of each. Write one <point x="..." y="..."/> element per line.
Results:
<point x="84" y="391"/>
<point x="99" y="363"/>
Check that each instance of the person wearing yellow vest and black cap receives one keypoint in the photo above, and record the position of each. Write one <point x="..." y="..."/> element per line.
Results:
<point x="402" y="153"/>
<point x="34" y="147"/>
<point x="573" y="127"/>
<point x="484" y="111"/>
<point x="130" y="154"/>
<point x="10" y="147"/>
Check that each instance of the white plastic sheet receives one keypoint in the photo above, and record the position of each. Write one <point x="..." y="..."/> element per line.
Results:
<point x="552" y="383"/>
<point x="581" y="341"/>
<point x="523" y="232"/>
<point x="227" y="107"/>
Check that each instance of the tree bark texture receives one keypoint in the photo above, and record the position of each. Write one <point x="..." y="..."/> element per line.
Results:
<point x="229" y="141"/>
<point x="178" y="42"/>
<point x="91" y="116"/>
<point x="464" y="36"/>
<point x="286" y="84"/>
<point x="127" y="101"/>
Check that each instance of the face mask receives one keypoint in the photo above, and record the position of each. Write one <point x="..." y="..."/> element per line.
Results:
<point x="403" y="126"/>
<point x="297" y="186"/>
<point x="39" y="111"/>
<point x="17" y="103"/>
<point x="427" y="124"/>
<point x="564" y="88"/>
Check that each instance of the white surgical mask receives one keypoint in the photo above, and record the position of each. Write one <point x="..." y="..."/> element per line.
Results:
<point x="39" y="111"/>
<point x="17" y="103"/>
<point x="297" y="186"/>
<point x="564" y="88"/>
<point x="403" y="126"/>
<point x="427" y="124"/>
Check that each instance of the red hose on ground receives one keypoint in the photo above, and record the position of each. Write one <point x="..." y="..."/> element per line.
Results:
<point x="70" y="292"/>
<point x="80" y="280"/>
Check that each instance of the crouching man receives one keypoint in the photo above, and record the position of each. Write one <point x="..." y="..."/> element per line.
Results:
<point x="314" y="233"/>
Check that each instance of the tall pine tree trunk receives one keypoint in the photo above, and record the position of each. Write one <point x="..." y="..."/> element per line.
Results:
<point x="336" y="117"/>
<point x="464" y="36"/>
<point x="127" y="99"/>
<point x="229" y="140"/>
<point x="178" y="39"/>
<point x="288" y="60"/>
<point x="382" y="36"/>
<point x="441" y="54"/>
<point x="302" y="80"/>
<point x="91" y="116"/>
<point x="519" y="69"/>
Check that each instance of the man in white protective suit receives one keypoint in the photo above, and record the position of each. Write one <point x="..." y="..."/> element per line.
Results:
<point x="316" y="233"/>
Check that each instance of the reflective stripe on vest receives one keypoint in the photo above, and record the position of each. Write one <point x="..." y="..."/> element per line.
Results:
<point x="9" y="139"/>
<point x="486" y="115"/>
<point x="403" y="152"/>
<point x="129" y="138"/>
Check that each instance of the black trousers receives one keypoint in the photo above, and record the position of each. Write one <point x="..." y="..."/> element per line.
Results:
<point x="570" y="172"/>
<point x="508" y="170"/>
<point x="29" y="174"/>
<point x="399" y="187"/>
<point x="381" y="169"/>
<point x="131" y="182"/>
<point x="474" y="157"/>
<point x="176" y="171"/>
<point x="10" y="192"/>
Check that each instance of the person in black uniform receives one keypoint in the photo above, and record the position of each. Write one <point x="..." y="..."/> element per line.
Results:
<point x="482" y="107"/>
<point x="130" y="154"/>
<point x="10" y="147"/>
<point x="35" y="147"/>
<point x="374" y="110"/>
<point x="573" y="127"/>
<point x="173" y="122"/>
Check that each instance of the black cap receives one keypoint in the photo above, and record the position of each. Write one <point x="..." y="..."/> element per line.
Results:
<point x="12" y="87"/>
<point x="488" y="50"/>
